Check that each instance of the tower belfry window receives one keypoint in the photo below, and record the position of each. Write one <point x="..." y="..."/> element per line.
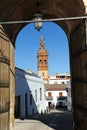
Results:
<point x="40" y="61"/>
<point x="44" y="61"/>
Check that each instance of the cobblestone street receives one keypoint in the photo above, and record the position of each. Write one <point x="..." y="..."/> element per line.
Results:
<point x="55" y="120"/>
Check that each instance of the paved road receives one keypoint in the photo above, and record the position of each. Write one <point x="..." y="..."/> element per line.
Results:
<point x="55" y="120"/>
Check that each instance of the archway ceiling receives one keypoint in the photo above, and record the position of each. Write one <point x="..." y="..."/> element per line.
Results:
<point x="17" y="10"/>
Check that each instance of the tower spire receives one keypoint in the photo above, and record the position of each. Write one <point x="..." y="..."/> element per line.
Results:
<point x="42" y="44"/>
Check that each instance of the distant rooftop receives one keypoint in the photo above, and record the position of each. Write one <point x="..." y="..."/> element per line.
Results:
<point x="28" y="71"/>
<point x="52" y="87"/>
<point x="58" y="74"/>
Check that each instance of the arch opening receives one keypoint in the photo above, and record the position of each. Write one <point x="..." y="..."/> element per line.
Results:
<point x="55" y="45"/>
<point x="32" y="40"/>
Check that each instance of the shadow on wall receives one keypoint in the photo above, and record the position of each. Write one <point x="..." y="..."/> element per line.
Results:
<point x="25" y="103"/>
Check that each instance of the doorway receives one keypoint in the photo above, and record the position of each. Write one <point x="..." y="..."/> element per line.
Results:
<point x="17" y="106"/>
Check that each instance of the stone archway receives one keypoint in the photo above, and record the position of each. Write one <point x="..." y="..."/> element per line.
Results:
<point x="76" y="30"/>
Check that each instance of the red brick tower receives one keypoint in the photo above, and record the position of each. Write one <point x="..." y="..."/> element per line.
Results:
<point x="42" y="57"/>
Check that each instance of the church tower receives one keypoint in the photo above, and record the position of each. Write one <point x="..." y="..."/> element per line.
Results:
<point x="42" y="57"/>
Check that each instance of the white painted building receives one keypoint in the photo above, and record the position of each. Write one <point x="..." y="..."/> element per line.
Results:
<point x="69" y="101"/>
<point x="29" y="93"/>
<point x="53" y="92"/>
<point x="56" y="88"/>
<point x="59" y="78"/>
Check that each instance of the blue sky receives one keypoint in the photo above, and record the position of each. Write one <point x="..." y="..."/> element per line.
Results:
<point x="27" y="45"/>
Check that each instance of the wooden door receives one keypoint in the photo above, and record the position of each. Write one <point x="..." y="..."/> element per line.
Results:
<point x="4" y="82"/>
<point x="78" y="61"/>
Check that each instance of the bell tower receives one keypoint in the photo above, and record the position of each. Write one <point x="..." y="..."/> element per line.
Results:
<point x="42" y="57"/>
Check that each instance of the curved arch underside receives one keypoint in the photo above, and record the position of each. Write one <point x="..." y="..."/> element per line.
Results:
<point x="15" y="10"/>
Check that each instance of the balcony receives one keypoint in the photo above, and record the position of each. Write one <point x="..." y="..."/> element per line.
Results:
<point x="49" y="97"/>
<point x="61" y="97"/>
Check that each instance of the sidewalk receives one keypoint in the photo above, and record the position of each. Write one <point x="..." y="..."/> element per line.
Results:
<point x="28" y="124"/>
<point x="32" y="123"/>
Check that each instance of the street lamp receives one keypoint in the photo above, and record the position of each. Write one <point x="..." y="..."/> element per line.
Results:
<point x="38" y="21"/>
<point x="38" y="17"/>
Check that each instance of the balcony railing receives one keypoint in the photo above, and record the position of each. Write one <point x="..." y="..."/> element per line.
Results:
<point x="49" y="97"/>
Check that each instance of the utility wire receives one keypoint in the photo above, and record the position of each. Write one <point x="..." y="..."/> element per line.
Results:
<point x="44" y="20"/>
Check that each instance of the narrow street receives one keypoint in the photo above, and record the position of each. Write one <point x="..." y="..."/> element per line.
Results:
<point x="55" y="120"/>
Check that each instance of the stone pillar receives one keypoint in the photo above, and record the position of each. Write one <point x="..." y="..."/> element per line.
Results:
<point x="78" y="62"/>
<point x="12" y="86"/>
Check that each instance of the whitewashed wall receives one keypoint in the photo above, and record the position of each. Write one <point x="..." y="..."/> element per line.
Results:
<point x="55" y="95"/>
<point x="26" y="83"/>
<point x="54" y="80"/>
<point x="69" y="101"/>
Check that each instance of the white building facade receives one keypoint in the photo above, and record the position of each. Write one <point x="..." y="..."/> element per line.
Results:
<point x="53" y="92"/>
<point x="69" y="101"/>
<point x="56" y="88"/>
<point x="29" y="93"/>
<point x="59" y="78"/>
